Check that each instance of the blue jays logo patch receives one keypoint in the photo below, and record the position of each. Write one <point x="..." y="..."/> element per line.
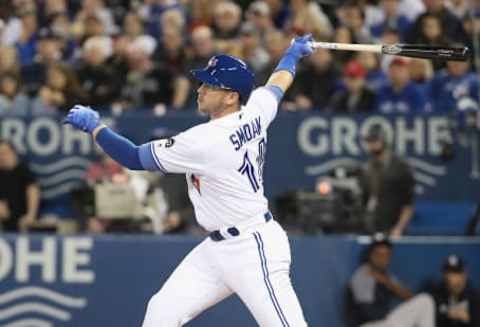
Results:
<point x="212" y="62"/>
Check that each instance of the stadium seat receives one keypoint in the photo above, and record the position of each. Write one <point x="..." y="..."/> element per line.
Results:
<point x="441" y="218"/>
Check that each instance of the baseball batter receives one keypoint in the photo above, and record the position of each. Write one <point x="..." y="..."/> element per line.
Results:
<point x="247" y="252"/>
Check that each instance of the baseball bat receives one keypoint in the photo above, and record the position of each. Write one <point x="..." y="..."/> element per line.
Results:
<point x="406" y="50"/>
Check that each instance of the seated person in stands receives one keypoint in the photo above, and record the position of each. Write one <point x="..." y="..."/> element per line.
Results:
<point x="373" y="289"/>
<point x="357" y="97"/>
<point x="12" y="99"/>
<point x="162" y="204"/>
<point x="457" y="303"/>
<point x="105" y="170"/>
<point x="19" y="192"/>
<point x="401" y="94"/>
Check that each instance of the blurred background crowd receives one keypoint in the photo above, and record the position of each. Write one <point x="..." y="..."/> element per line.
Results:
<point x="129" y="56"/>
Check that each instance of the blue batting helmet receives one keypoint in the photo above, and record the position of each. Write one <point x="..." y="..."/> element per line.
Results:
<point x="229" y="73"/>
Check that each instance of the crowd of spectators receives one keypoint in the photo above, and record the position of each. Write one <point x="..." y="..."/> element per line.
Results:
<point x="124" y="55"/>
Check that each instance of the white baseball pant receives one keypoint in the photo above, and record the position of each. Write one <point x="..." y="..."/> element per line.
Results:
<point x="254" y="265"/>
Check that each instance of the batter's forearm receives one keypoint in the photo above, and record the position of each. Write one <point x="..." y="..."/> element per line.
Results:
<point x="282" y="79"/>
<point x="118" y="147"/>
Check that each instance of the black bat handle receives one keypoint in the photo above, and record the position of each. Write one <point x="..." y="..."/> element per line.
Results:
<point x="428" y="51"/>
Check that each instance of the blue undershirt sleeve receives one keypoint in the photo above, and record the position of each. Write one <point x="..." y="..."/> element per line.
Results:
<point x="120" y="149"/>
<point x="147" y="158"/>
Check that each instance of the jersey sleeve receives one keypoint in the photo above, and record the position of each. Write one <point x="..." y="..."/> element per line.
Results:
<point x="264" y="101"/>
<point x="179" y="154"/>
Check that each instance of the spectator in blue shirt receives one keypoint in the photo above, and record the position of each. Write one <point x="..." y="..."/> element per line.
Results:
<point x="453" y="84"/>
<point x="27" y="43"/>
<point x="392" y="19"/>
<point x="375" y="77"/>
<point x="401" y="94"/>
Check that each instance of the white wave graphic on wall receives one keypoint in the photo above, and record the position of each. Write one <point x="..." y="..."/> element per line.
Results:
<point x="55" y="167"/>
<point x="426" y="166"/>
<point x="21" y="311"/>
<point x="327" y="166"/>
<point x="59" y="190"/>
<point x="34" y="307"/>
<point x="59" y="177"/>
<point x="29" y="322"/>
<point x="424" y="173"/>
<point x="44" y="293"/>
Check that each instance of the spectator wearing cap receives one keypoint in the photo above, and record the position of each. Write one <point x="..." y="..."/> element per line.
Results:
<point x="457" y="302"/>
<point x="34" y="75"/>
<point x="388" y="186"/>
<point x="451" y="85"/>
<point x="401" y="94"/>
<point x="357" y="97"/>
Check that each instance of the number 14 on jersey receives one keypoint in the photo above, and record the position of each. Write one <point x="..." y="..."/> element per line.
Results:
<point x="254" y="170"/>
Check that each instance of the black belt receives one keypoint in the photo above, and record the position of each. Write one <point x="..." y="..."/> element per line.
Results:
<point x="217" y="236"/>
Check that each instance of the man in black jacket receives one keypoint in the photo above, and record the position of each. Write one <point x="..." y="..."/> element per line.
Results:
<point x="388" y="186"/>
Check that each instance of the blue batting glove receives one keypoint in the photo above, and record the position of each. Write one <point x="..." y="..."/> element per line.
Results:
<point x="84" y="118"/>
<point x="301" y="46"/>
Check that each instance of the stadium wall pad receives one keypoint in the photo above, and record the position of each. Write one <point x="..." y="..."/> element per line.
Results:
<point x="107" y="280"/>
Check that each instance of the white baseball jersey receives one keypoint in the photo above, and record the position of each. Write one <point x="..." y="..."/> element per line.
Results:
<point x="223" y="160"/>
